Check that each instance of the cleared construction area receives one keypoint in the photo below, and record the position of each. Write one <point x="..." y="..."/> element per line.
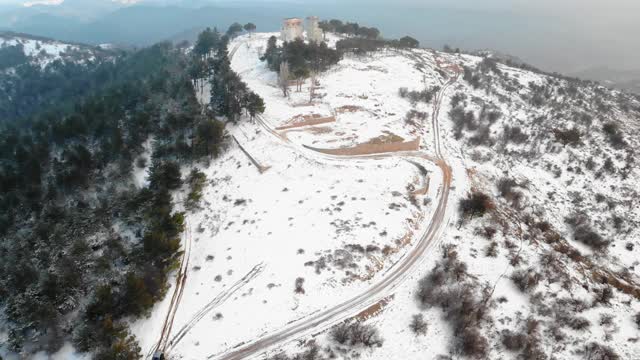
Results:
<point x="372" y="148"/>
<point x="307" y="120"/>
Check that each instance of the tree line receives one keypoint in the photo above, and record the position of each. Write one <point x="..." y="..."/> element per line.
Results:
<point x="297" y="60"/>
<point x="361" y="39"/>
<point x="230" y="97"/>
<point x="349" y="28"/>
<point x="66" y="184"/>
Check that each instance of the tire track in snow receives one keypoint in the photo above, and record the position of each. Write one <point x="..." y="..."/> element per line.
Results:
<point x="218" y="300"/>
<point x="181" y="279"/>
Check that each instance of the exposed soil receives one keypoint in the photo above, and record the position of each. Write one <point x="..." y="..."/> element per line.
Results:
<point x="307" y="120"/>
<point x="373" y="147"/>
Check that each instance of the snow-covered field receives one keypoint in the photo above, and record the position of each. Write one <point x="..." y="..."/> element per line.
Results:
<point x="306" y="215"/>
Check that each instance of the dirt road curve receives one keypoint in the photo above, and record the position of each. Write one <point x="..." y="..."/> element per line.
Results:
<point x="392" y="279"/>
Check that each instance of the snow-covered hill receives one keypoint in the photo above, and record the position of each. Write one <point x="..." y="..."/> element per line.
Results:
<point x="43" y="51"/>
<point x="296" y="221"/>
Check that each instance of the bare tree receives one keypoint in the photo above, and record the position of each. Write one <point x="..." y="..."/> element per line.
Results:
<point x="312" y="87"/>
<point x="284" y="78"/>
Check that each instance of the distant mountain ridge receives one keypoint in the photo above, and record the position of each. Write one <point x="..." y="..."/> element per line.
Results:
<point x="622" y="79"/>
<point x="138" y="25"/>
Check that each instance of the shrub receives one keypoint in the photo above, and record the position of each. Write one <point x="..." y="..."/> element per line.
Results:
<point x="414" y="114"/>
<point x="527" y="341"/>
<point x="165" y="175"/>
<point x="514" y="341"/>
<point x="505" y="186"/>
<point x="578" y="323"/>
<point x="526" y="280"/>
<point x="489" y="65"/>
<point x="608" y="166"/>
<point x="366" y="335"/>
<point x="583" y="232"/>
<point x="514" y="135"/>
<point x="568" y="137"/>
<point x="457" y="99"/>
<point x="341" y="333"/>
<point x="543" y="226"/>
<point x="462" y="119"/>
<point x="603" y="295"/>
<point x="491" y="250"/>
<point x="595" y="351"/>
<point x="415" y="97"/>
<point x="124" y="348"/>
<point x="473" y="343"/>
<point x="476" y="204"/>
<point x="356" y="334"/>
<point x="418" y="325"/>
<point x="472" y="78"/>
<point x="299" y="286"/>
<point x="281" y="356"/>
<point x="482" y="137"/>
<point x="586" y="235"/>
<point x="196" y="181"/>
<point x="445" y="286"/>
<point x="616" y="139"/>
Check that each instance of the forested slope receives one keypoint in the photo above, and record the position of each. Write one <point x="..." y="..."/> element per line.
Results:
<point x="83" y="248"/>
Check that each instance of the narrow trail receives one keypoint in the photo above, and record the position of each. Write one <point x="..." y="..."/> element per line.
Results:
<point x="392" y="279"/>
<point x="176" y="297"/>
<point x="218" y="300"/>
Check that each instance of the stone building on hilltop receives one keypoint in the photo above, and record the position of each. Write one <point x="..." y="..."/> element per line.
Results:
<point x="314" y="33"/>
<point x="291" y="29"/>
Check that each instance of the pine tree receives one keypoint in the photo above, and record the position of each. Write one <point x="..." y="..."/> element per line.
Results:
<point x="207" y="41"/>
<point x="234" y="29"/>
<point x="250" y="27"/>
<point x="255" y="105"/>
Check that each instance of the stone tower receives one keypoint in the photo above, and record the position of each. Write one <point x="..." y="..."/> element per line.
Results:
<point x="291" y="29"/>
<point x="314" y="33"/>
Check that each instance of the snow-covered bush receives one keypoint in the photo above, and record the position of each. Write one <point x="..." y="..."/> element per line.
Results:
<point x="356" y="334"/>
<point x="418" y="325"/>
<point x="526" y="280"/>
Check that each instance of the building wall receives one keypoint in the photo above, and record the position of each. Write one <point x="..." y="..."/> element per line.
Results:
<point x="314" y="33"/>
<point x="291" y="29"/>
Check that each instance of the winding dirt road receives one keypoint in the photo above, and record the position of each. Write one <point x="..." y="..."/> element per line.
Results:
<point x="394" y="276"/>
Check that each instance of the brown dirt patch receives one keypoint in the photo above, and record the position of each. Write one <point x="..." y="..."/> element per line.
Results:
<point x="349" y="109"/>
<point x="306" y="120"/>
<point x="374" y="146"/>
<point x="387" y="138"/>
<point x="374" y="309"/>
<point x="316" y="130"/>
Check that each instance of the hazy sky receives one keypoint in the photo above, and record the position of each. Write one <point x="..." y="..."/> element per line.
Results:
<point x="562" y="35"/>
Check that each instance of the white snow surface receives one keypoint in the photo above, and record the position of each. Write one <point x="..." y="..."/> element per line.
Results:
<point x="303" y="207"/>
<point x="306" y="205"/>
